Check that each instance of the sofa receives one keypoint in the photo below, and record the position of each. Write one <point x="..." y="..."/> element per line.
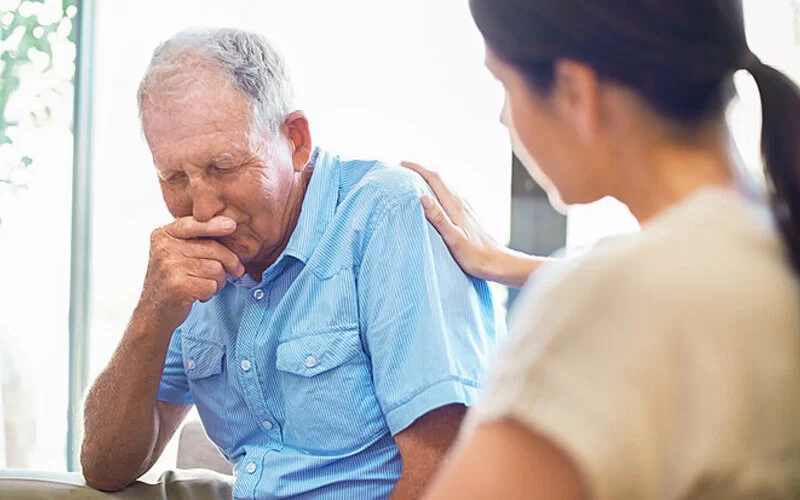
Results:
<point x="200" y="472"/>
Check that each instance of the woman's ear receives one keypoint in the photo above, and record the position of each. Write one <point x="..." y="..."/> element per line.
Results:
<point x="577" y="97"/>
<point x="299" y="135"/>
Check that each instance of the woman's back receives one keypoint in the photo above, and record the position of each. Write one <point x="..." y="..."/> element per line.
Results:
<point x="701" y="316"/>
<point x="663" y="365"/>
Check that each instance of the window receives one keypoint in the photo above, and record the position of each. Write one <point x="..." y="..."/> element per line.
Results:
<point x="37" y="63"/>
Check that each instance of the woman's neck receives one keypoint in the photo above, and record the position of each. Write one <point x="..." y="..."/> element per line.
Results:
<point x="660" y="176"/>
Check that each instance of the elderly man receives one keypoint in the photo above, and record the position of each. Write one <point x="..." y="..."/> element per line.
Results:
<point x="301" y="302"/>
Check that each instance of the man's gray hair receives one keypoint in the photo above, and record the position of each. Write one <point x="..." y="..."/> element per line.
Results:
<point x="254" y="67"/>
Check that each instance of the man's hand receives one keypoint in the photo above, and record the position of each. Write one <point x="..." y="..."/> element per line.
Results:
<point x="186" y="265"/>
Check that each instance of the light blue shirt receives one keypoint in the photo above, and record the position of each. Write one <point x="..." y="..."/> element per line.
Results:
<point x="364" y="324"/>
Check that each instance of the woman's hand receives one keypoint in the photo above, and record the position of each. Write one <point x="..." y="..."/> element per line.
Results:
<point x="472" y="246"/>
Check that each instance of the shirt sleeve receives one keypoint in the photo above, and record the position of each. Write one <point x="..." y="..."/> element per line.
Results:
<point x="592" y="364"/>
<point x="428" y="328"/>
<point x="174" y="387"/>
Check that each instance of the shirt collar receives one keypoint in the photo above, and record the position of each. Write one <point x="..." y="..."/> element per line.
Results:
<point x="319" y="206"/>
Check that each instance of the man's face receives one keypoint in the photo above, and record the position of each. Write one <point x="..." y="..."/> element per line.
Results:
<point x="208" y="166"/>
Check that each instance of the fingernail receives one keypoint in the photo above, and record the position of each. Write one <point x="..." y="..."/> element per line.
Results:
<point x="427" y="202"/>
<point x="228" y="224"/>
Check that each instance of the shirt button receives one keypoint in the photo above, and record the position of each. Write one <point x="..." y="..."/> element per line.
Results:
<point x="311" y="362"/>
<point x="251" y="467"/>
<point x="246" y="365"/>
<point x="267" y="425"/>
<point x="190" y="364"/>
<point x="258" y="294"/>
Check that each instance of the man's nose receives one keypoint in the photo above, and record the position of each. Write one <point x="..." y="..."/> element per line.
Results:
<point x="207" y="200"/>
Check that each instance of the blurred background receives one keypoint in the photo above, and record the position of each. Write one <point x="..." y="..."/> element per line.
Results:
<point x="378" y="79"/>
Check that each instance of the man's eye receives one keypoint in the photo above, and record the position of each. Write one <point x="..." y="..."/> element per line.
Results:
<point x="222" y="169"/>
<point x="176" y="178"/>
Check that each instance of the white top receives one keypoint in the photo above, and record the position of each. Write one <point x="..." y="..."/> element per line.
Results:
<point x="665" y="363"/>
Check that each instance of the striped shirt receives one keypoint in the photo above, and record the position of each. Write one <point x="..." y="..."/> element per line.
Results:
<point x="364" y="324"/>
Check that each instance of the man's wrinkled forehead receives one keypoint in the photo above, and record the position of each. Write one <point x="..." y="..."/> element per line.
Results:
<point x="202" y="107"/>
<point x="181" y="76"/>
<point x="189" y="85"/>
<point x="195" y="112"/>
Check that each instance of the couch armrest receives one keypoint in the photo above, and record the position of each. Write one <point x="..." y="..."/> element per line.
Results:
<point x="180" y="484"/>
<point x="196" y="451"/>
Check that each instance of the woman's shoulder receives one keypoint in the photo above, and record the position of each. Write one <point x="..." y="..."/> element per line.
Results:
<point x="686" y="330"/>
<point x="713" y="252"/>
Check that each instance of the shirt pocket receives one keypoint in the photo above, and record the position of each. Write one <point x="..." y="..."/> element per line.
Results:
<point x="328" y="395"/>
<point x="204" y="362"/>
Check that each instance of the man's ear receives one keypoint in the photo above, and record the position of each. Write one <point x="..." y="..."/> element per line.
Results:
<point x="299" y="135"/>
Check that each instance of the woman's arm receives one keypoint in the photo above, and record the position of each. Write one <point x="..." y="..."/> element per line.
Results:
<point x="508" y="460"/>
<point x="472" y="246"/>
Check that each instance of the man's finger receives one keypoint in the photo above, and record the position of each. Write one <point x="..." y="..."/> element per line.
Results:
<point x="210" y="269"/>
<point x="202" y="289"/>
<point x="187" y="228"/>
<point x="214" y="250"/>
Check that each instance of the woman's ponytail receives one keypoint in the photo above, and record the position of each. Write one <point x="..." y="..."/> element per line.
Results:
<point x="780" y="147"/>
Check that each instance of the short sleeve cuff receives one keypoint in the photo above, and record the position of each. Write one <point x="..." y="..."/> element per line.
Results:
<point x="170" y="394"/>
<point x="437" y="395"/>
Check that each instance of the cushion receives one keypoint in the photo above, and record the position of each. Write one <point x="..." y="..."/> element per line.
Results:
<point x="175" y="485"/>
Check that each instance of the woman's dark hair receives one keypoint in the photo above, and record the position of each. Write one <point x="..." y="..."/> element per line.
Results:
<point x="678" y="55"/>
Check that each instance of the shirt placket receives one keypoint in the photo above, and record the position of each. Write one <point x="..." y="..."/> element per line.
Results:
<point x="257" y="312"/>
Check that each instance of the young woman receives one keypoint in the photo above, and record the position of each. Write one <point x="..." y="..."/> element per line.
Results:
<point x="664" y="364"/>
